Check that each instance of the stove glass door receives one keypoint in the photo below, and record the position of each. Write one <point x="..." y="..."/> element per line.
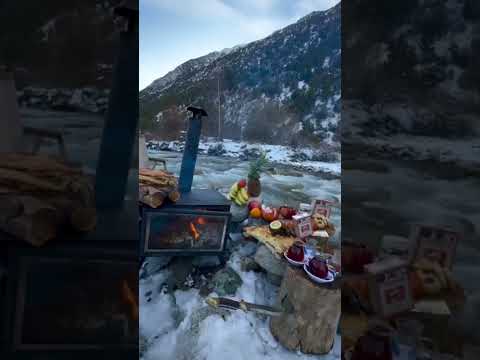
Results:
<point x="196" y="231"/>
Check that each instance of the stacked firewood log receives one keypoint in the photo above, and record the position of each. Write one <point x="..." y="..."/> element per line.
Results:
<point x="157" y="186"/>
<point x="39" y="196"/>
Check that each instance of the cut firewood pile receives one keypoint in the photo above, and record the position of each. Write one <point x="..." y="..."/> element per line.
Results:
<point x="156" y="187"/>
<point x="40" y="196"/>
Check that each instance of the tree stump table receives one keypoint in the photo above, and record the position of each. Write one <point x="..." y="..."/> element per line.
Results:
<point x="311" y="313"/>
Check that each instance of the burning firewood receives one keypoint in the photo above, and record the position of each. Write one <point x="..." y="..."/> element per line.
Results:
<point x="131" y="300"/>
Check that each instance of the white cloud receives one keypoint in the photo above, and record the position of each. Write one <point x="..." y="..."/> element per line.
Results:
<point x="253" y="5"/>
<point x="253" y="19"/>
<point x="256" y="25"/>
<point x="194" y="8"/>
<point x="307" y="6"/>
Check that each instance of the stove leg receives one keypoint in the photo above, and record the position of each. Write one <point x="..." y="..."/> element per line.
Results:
<point x="223" y="259"/>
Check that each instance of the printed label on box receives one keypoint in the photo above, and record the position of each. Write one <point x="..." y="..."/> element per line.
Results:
<point x="391" y="292"/>
<point x="435" y="244"/>
<point x="394" y="292"/>
<point x="322" y="207"/>
<point x="303" y="225"/>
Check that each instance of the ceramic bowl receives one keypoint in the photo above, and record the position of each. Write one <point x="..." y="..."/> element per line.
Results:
<point x="293" y="262"/>
<point x="329" y="279"/>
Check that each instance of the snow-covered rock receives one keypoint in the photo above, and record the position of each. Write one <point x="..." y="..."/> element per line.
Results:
<point x="325" y="159"/>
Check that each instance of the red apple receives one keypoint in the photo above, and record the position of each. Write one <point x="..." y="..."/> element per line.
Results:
<point x="296" y="252"/>
<point x="254" y="204"/>
<point x="318" y="267"/>
<point x="242" y="183"/>
<point x="287" y="212"/>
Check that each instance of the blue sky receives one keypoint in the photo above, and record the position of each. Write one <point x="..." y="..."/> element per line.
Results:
<point x="174" y="31"/>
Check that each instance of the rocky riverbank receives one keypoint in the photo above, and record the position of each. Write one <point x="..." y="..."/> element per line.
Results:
<point x="323" y="161"/>
<point x="88" y="99"/>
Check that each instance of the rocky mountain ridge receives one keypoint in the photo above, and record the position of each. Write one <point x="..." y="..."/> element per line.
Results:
<point x="284" y="88"/>
<point x="414" y="72"/>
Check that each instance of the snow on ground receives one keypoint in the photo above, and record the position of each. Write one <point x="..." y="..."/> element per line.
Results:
<point x="170" y="323"/>
<point x="275" y="153"/>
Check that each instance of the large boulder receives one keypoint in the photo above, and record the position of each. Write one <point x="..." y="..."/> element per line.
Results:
<point x="250" y="154"/>
<point x="274" y="267"/>
<point x="311" y="314"/>
<point x="329" y="157"/>
<point x="216" y="150"/>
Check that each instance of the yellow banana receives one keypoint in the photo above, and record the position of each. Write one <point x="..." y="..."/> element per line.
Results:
<point x="243" y="195"/>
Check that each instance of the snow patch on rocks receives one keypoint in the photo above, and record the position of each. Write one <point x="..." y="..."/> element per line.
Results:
<point x="179" y="325"/>
<point x="326" y="159"/>
<point x="87" y="99"/>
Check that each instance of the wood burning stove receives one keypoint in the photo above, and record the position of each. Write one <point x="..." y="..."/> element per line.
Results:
<point x="189" y="232"/>
<point x="71" y="301"/>
<point x="195" y="225"/>
<point x="77" y="297"/>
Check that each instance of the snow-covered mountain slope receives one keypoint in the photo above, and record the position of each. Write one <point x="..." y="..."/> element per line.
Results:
<point x="60" y="44"/>
<point x="412" y="66"/>
<point x="283" y="87"/>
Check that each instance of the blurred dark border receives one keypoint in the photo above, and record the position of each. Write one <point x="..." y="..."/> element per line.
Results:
<point x="411" y="149"/>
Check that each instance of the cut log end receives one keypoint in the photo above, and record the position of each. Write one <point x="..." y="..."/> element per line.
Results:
<point x="174" y="195"/>
<point x="39" y="196"/>
<point x="84" y="219"/>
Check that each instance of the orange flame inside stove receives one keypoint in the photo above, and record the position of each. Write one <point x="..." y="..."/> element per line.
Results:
<point x="194" y="231"/>
<point x="131" y="299"/>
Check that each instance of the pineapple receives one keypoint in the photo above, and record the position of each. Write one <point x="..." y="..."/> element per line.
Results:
<point x="254" y="173"/>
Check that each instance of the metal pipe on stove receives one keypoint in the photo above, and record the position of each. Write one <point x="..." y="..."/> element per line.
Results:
<point x="121" y="122"/>
<point x="191" y="149"/>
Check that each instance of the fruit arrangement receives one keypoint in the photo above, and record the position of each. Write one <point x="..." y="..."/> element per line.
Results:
<point x="238" y="193"/>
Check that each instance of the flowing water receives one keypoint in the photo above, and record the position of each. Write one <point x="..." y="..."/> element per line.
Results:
<point x="280" y="184"/>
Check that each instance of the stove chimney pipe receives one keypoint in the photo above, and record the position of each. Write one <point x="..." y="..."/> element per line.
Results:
<point x="121" y="122"/>
<point x="191" y="149"/>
